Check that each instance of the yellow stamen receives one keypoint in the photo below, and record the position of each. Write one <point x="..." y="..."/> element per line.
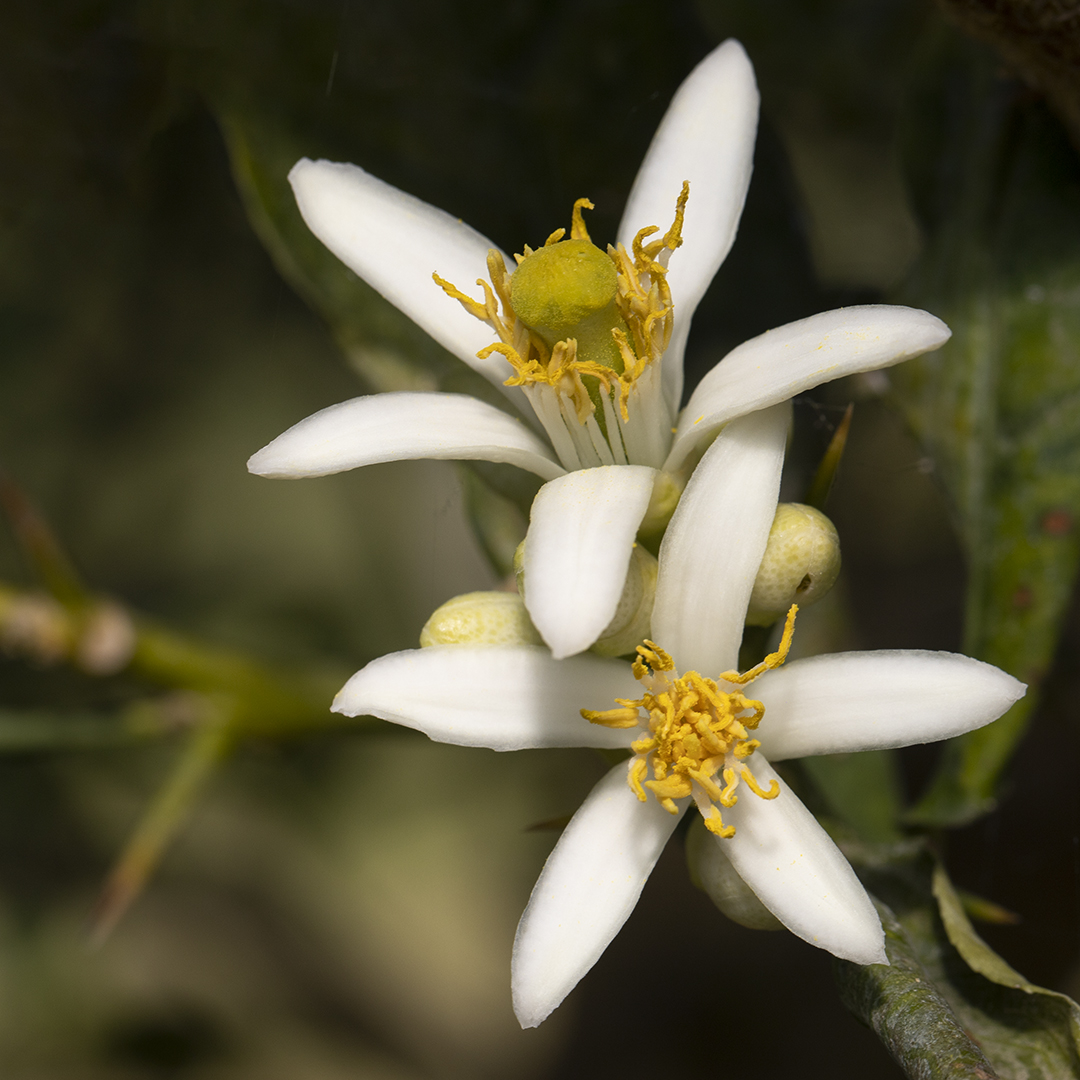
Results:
<point x="642" y="304"/>
<point x="728" y="796"/>
<point x="715" y="824"/>
<point x="577" y="222"/>
<point x="757" y="789"/>
<point x="695" y="732"/>
<point x="773" y="660"/>
<point x="613" y="718"/>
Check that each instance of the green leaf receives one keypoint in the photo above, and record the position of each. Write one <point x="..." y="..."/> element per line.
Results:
<point x="384" y="346"/>
<point x="1057" y="1015"/>
<point x="497" y="521"/>
<point x="998" y="408"/>
<point x="945" y="979"/>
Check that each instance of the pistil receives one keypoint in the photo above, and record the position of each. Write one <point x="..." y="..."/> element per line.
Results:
<point x="583" y="330"/>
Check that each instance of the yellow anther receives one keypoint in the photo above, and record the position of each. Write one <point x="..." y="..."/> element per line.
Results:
<point x="773" y="660"/>
<point x="472" y="306"/>
<point x="675" y="786"/>
<point x="708" y="784"/>
<point x="554" y="238"/>
<point x="613" y="718"/>
<point x="673" y="237"/>
<point x="715" y="824"/>
<point x="695" y="731"/>
<point x="655" y="657"/>
<point x="744" y="749"/>
<point x="731" y="781"/>
<point x="577" y="222"/>
<point x="757" y="789"/>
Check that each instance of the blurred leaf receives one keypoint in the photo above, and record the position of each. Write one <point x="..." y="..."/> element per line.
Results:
<point x="37" y="730"/>
<point x="825" y="475"/>
<point x="386" y="347"/>
<point x="40" y="545"/>
<point x="206" y="749"/>
<point x="1036" y="37"/>
<point x="862" y="790"/>
<point x="978" y="907"/>
<point x="948" y="1005"/>
<point x="498" y="523"/>
<point x="998" y="408"/>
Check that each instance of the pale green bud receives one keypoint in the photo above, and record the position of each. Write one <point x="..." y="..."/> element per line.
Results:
<point x="712" y="872"/>
<point x="665" y="497"/>
<point x="567" y="290"/>
<point x="480" y="618"/>
<point x="631" y="624"/>
<point x="519" y="568"/>
<point x="802" y="560"/>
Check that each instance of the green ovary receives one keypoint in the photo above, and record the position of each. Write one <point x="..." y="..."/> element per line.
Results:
<point x="567" y="290"/>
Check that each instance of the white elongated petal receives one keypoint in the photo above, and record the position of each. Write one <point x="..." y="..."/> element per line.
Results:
<point x="706" y="137"/>
<point x="395" y="242"/>
<point x="577" y="550"/>
<point x="873" y="700"/>
<point x="715" y="542"/>
<point x="790" y="359"/>
<point x="393" y="427"/>
<point x="799" y="874"/>
<point x="501" y="697"/>
<point x="585" y="893"/>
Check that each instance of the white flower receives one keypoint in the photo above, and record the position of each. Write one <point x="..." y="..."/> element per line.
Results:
<point x="513" y="697"/>
<point x="602" y="452"/>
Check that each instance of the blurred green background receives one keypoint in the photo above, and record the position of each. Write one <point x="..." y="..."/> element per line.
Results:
<point x="343" y="904"/>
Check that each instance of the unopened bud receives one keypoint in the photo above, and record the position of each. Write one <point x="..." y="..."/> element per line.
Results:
<point x="107" y="641"/>
<point x="665" y="497"/>
<point x="34" y="626"/>
<point x="480" y="618"/>
<point x="632" y="621"/>
<point x="712" y="872"/>
<point x="802" y="559"/>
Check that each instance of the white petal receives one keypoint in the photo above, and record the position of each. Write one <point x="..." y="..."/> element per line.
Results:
<point x="586" y="891"/>
<point x="790" y="359"/>
<point x="799" y="874"/>
<point x="714" y="544"/>
<point x="393" y="427"/>
<point x="577" y="550"/>
<point x="395" y="242"/>
<point x="872" y="700"/>
<point x="505" y="698"/>
<point x="706" y="137"/>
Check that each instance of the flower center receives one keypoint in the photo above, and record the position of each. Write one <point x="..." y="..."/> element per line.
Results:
<point x="583" y="330"/>
<point x="695" y="732"/>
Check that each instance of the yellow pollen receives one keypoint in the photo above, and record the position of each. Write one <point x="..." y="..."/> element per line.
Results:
<point x="642" y="314"/>
<point x="695" y="734"/>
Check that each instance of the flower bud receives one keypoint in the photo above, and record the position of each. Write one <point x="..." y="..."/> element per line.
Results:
<point x="632" y="621"/>
<point x="712" y="872"/>
<point x="480" y="618"/>
<point x="665" y="497"/>
<point x="802" y="559"/>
